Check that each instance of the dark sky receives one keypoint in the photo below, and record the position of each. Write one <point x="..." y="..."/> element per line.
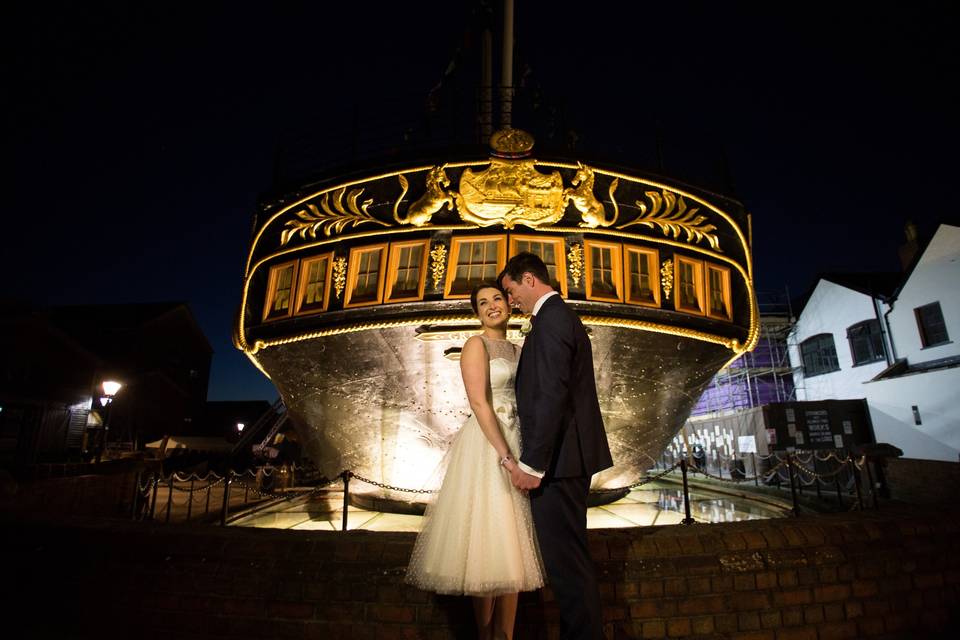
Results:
<point x="139" y="138"/>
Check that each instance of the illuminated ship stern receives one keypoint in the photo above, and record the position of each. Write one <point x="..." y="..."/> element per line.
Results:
<point x="355" y="301"/>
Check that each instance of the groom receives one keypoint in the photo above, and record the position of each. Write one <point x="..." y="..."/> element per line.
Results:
<point x="563" y="442"/>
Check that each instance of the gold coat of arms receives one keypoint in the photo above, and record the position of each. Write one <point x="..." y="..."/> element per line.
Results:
<point x="510" y="192"/>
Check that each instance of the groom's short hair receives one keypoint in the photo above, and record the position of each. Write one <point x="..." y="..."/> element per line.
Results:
<point x="525" y="262"/>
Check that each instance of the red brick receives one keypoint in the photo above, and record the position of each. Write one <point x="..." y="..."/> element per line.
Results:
<point x="792" y="616"/>
<point x="698" y="585"/>
<point x="867" y="627"/>
<point x="679" y="627"/>
<point x="390" y="613"/>
<point x="389" y="593"/>
<point x="748" y="621"/>
<point x="807" y="575"/>
<point x="747" y="582"/>
<point x="702" y="625"/>
<point x="797" y="633"/>
<point x="611" y="613"/>
<point x="770" y="619"/>
<point x="667" y="546"/>
<point x="721" y="584"/>
<point x="654" y="629"/>
<point x="928" y="580"/>
<point x="831" y="592"/>
<point x="754" y="601"/>
<point x="754" y="540"/>
<point x="827" y="574"/>
<point x="813" y="614"/>
<point x="864" y="588"/>
<point x="792" y="597"/>
<point x="753" y="635"/>
<point x="734" y="541"/>
<point x="834" y="612"/>
<point x="875" y="608"/>
<point x="627" y="590"/>
<point x="689" y="545"/>
<point x="766" y="580"/>
<point x="702" y="604"/>
<point x="651" y="588"/>
<point x="298" y="610"/>
<point x="788" y="578"/>
<point x="775" y="539"/>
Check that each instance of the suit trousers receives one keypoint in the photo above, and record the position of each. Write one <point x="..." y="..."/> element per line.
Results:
<point x="559" y="508"/>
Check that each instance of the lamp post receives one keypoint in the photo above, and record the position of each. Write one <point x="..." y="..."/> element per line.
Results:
<point x="110" y="389"/>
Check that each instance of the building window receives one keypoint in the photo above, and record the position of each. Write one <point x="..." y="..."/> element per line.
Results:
<point x="718" y="292"/>
<point x="604" y="262"/>
<point x="866" y="342"/>
<point x="473" y="260"/>
<point x="819" y="355"/>
<point x="314" y="288"/>
<point x="933" y="330"/>
<point x="688" y="274"/>
<point x="407" y="271"/>
<point x="279" y="291"/>
<point x="643" y="284"/>
<point x="550" y="251"/>
<point x="365" y="276"/>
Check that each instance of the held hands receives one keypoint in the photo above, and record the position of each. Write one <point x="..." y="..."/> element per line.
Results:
<point x="521" y="480"/>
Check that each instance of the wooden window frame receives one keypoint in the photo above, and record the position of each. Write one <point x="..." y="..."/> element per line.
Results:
<point x="393" y="266"/>
<point x="352" y="274"/>
<point x="725" y="283"/>
<point x="559" y="247"/>
<point x="272" y="290"/>
<point x="302" y="283"/>
<point x="455" y="243"/>
<point x="698" y="277"/>
<point x="616" y="264"/>
<point x="653" y="261"/>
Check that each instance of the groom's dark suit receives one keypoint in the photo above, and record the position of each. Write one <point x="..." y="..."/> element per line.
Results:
<point x="562" y="434"/>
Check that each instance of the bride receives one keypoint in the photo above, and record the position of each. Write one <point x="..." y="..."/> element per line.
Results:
<point x="478" y="537"/>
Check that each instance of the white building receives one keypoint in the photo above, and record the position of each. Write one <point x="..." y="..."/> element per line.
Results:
<point x="858" y="337"/>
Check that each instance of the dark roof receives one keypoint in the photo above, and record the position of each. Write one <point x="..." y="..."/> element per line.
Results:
<point x="113" y="316"/>
<point x="924" y="243"/>
<point x="881" y="285"/>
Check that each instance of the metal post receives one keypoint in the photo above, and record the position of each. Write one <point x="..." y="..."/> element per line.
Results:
<point x="226" y="498"/>
<point x="686" y="494"/>
<point x="190" y="500"/>
<point x="756" y="470"/>
<point x="136" y="495"/>
<point x="206" y="508"/>
<point x="346" y="496"/>
<point x="793" y="486"/>
<point x="153" y="497"/>
<point x="169" y="498"/>
<point x="839" y="493"/>
<point x="873" y="485"/>
<point x="856" y="482"/>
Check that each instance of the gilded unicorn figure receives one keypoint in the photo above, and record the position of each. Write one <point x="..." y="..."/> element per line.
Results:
<point x="433" y="200"/>
<point x="591" y="209"/>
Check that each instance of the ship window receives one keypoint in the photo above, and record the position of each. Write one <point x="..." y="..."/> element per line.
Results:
<point x="603" y="266"/>
<point x="643" y="287"/>
<point x="689" y="285"/>
<point x="866" y="341"/>
<point x="314" y="288"/>
<point x="279" y="291"/>
<point x="819" y="355"/>
<point x="473" y="260"/>
<point x="933" y="330"/>
<point x="550" y="251"/>
<point x="365" y="275"/>
<point x="407" y="270"/>
<point x="718" y="292"/>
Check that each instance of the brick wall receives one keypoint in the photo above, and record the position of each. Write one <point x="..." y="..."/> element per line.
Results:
<point x="893" y="573"/>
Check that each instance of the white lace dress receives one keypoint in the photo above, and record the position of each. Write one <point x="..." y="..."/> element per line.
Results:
<point x="478" y="536"/>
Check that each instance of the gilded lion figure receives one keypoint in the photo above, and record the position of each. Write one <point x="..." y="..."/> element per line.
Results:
<point x="581" y="194"/>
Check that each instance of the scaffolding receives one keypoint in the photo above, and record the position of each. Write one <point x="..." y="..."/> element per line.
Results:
<point x="761" y="376"/>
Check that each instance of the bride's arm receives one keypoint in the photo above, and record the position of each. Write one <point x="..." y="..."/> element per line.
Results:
<point x="475" y="369"/>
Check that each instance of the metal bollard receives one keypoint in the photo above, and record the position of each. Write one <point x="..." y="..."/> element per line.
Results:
<point x="136" y="496"/>
<point x="793" y="486"/>
<point x="756" y="471"/>
<point x="226" y="498"/>
<point x="190" y="501"/>
<point x="346" y="496"/>
<point x="856" y="482"/>
<point x="153" y="496"/>
<point x="166" y="518"/>
<point x="686" y="494"/>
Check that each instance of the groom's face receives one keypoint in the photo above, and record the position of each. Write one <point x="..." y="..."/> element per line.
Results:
<point x="521" y="294"/>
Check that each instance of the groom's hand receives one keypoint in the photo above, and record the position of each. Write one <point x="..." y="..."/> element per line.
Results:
<point x="522" y="480"/>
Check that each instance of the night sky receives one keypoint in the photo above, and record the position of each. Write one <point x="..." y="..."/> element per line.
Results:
<point x="139" y="138"/>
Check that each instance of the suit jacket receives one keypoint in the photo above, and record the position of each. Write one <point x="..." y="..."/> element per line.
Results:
<point x="560" y="423"/>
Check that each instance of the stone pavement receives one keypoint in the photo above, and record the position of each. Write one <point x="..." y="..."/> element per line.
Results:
<point x="893" y="573"/>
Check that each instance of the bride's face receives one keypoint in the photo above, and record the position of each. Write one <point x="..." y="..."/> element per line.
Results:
<point x="492" y="307"/>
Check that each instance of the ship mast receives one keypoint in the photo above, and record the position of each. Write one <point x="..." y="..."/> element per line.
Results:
<point x="506" y="77"/>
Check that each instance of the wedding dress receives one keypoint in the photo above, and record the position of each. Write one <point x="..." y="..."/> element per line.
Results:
<point x="478" y="536"/>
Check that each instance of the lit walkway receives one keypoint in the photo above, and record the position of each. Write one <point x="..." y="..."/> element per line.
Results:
<point x="653" y="504"/>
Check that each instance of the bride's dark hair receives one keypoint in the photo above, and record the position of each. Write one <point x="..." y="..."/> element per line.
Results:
<point x="485" y="285"/>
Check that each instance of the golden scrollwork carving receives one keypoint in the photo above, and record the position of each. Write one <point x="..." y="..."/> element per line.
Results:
<point x="575" y="263"/>
<point x="511" y="142"/>
<point x="433" y="200"/>
<point x="666" y="278"/>
<point x="331" y="215"/>
<point x="669" y="212"/>
<point x="591" y="209"/>
<point x="339" y="275"/>
<point x="438" y="264"/>
<point x="510" y="192"/>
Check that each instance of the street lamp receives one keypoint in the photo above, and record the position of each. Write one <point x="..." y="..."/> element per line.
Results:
<point x="110" y="389"/>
